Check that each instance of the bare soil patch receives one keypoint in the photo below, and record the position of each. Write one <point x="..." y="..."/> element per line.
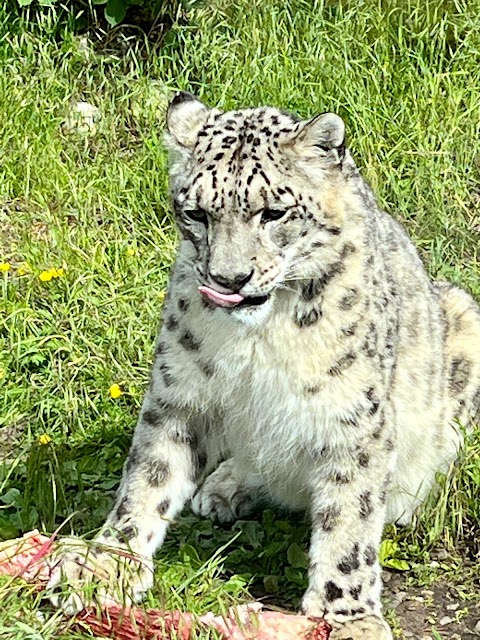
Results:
<point x="448" y="607"/>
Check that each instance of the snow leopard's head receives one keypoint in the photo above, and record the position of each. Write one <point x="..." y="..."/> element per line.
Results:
<point x="256" y="192"/>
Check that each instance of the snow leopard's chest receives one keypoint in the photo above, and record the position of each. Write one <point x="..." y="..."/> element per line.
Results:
<point x="280" y="405"/>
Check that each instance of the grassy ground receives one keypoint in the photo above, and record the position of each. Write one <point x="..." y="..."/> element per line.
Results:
<point x="92" y="203"/>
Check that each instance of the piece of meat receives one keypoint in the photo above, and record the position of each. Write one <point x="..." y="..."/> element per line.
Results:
<point x="135" y="624"/>
<point x="26" y="557"/>
<point x="245" y="622"/>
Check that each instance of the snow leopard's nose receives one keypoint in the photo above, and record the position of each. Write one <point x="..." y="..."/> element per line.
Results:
<point x="232" y="283"/>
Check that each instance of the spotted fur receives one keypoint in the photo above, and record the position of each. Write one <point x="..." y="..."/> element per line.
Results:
<point x="341" y="390"/>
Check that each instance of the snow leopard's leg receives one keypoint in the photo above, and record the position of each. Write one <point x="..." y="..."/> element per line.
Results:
<point x="229" y="493"/>
<point x="159" y="476"/>
<point x="348" y="513"/>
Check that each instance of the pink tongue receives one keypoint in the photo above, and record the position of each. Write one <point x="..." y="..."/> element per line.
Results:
<point x="221" y="299"/>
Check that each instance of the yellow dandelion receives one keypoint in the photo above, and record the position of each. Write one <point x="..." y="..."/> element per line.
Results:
<point x="48" y="274"/>
<point x="44" y="438"/>
<point x="5" y="266"/>
<point x="131" y="251"/>
<point x="115" y="391"/>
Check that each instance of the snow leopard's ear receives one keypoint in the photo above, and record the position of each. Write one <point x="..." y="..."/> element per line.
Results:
<point x="319" y="136"/>
<point x="185" y="117"/>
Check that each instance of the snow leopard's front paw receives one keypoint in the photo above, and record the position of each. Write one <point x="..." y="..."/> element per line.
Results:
<point x="85" y="574"/>
<point x="223" y="496"/>
<point x="369" y="628"/>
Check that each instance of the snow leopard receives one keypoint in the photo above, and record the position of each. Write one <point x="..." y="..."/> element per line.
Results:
<point x="305" y="358"/>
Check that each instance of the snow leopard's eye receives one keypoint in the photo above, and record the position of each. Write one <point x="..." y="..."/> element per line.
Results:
<point x="270" y="215"/>
<point x="197" y="215"/>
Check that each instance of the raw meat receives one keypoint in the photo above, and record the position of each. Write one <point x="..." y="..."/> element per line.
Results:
<point x="27" y="558"/>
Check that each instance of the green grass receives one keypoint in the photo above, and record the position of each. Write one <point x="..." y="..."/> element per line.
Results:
<point x="403" y="75"/>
